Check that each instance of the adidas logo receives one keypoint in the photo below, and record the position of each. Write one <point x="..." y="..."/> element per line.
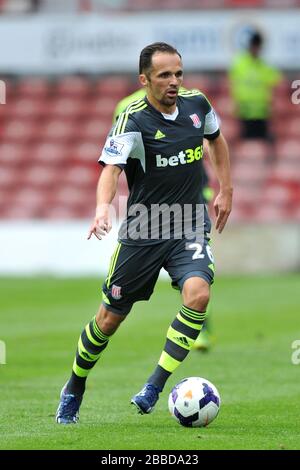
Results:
<point x="159" y="135"/>
<point x="182" y="340"/>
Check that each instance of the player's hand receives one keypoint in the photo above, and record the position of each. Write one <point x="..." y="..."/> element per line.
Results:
<point x="100" y="227"/>
<point x="222" y="206"/>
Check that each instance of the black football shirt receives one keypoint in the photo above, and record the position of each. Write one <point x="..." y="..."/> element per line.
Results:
<point x="161" y="156"/>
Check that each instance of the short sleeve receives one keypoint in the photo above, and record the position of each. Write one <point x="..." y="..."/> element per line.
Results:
<point x="118" y="147"/>
<point x="211" y="127"/>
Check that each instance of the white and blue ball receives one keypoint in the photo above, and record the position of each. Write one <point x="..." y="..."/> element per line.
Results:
<point x="194" y="402"/>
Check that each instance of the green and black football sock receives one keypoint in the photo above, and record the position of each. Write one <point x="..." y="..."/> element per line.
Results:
<point x="92" y="342"/>
<point x="181" y="336"/>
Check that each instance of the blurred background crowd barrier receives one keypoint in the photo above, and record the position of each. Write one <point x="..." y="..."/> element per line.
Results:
<point x="65" y="65"/>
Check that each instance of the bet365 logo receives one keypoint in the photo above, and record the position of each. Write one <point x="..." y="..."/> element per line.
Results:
<point x="2" y="353"/>
<point x="185" y="156"/>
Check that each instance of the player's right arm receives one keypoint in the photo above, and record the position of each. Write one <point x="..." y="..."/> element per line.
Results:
<point x="119" y="145"/>
<point x="106" y="190"/>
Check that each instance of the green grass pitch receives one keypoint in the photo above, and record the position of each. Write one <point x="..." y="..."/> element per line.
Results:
<point x="255" y="321"/>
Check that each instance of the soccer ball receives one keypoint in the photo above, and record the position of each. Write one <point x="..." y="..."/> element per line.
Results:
<point x="194" y="402"/>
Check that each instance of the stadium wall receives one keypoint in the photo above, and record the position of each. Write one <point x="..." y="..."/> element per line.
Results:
<point x="62" y="249"/>
<point x="92" y="43"/>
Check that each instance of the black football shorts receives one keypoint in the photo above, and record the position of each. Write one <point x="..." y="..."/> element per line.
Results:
<point x="134" y="270"/>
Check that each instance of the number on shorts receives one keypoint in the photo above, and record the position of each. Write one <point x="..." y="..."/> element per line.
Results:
<point x="198" y="253"/>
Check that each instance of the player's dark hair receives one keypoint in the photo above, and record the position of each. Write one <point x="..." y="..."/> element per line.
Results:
<point x="256" y="39"/>
<point x="148" y="51"/>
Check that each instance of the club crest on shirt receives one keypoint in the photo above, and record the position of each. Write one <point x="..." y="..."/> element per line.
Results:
<point x="196" y="120"/>
<point x="114" y="148"/>
<point x="116" y="292"/>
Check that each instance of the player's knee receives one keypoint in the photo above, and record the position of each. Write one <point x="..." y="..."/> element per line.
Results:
<point x="107" y="321"/>
<point x="198" y="299"/>
<point x="196" y="293"/>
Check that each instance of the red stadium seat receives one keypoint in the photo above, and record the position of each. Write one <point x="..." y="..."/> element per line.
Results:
<point x="116" y="87"/>
<point x="94" y="130"/>
<point x="66" y="108"/>
<point x="58" y="130"/>
<point x="33" y="87"/>
<point x="77" y="87"/>
<point x="20" y="131"/>
<point x="87" y="151"/>
<point x="51" y="153"/>
<point x="224" y="106"/>
<point x="13" y="154"/>
<point x="60" y="212"/>
<point x="81" y="176"/>
<point x="288" y="149"/>
<point x="256" y="150"/>
<point x="277" y="194"/>
<point x="101" y="108"/>
<point x="230" y="129"/>
<point x="8" y="177"/>
<point x="24" y="108"/>
<point x="41" y="176"/>
<point x="18" y="212"/>
<point x="249" y="172"/>
<point x="286" y="171"/>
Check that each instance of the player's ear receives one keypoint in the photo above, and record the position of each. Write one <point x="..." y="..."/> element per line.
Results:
<point x="143" y="79"/>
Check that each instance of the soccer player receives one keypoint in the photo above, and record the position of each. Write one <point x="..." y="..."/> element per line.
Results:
<point x="158" y="141"/>
<point x="203" y="342"/>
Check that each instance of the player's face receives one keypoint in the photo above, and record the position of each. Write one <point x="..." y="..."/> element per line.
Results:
<point x="163" y="81"/>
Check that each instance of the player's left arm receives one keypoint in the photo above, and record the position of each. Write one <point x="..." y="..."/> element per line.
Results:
<point x="219" y="155"/>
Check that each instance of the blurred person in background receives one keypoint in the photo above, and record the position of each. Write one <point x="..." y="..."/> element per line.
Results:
<point x="205" y="339"/>
<point x="252" y="83"/>
<point x="158" y="142"/>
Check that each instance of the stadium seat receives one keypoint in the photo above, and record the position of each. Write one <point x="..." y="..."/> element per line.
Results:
<point x="33" y="87"/>
<point x="66" y="108"/>
<point x="8" y="177"/>
<point x="58" y="130"/>
<point x="287" y="130"/>
<point x="50" y="153"/>
<point x="230" y="129"/>
<point x="77" y="87"/>
<point x="80" y="176"/>
<point x="87" y="151"/>
<point x="277" y="194"/>
<point x="61" y="213"/>
<point x="249" y="172"/>
<point x="13" y="154"/>
<point x="224" y="106"/>
<point x="94" y="130"/>
<point x="20" y="131"/>
<point x="101" y="107"/>
<point x="24" y="108"/>
<point x="40" y="176"/>
<point x="114" y="86"/>
<point x="253" y="150"/>
<point x="288" y="149"/>
<point x="286" y="171"/>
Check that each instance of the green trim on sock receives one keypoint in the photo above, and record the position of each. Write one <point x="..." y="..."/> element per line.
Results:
<point x="180" y="339"/>
<point x="167" y="362"/>
<point x="195" y="326"/>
